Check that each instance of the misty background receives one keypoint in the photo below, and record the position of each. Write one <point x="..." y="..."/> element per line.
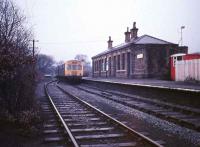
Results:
<point x="66" y="28"/>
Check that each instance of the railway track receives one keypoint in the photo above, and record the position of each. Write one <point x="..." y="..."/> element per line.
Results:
<point x="53" y="132"/>
<point x="86" y="126"/>
<point x="183" y="116"/>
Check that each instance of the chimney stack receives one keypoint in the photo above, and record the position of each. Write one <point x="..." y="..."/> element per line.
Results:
<point x="127" y="35"/>
<point x="110" y="43"/>
<point x="134" y="31"/>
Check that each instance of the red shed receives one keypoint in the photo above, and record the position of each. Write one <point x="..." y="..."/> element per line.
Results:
<point x="185" y="66"/>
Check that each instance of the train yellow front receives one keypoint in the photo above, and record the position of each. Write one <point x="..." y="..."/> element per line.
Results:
<point x="71" y="70"/>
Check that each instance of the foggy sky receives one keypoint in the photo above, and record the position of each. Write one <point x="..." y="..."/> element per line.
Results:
<point x="65" y="28"/>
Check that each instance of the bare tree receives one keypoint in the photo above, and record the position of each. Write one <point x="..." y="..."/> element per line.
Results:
<point x="86" y="63"/>
<point x="16" y="61"/>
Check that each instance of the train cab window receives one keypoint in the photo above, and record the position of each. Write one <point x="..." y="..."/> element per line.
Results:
<point x="75" y="67"/>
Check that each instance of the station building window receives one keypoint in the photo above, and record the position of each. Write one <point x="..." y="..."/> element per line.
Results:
<point x="123" y="61"/>
<point x="109" y="63"/>
<point x="105" y="64"/>
<point x="102" y="65"/>
<point x="114" y="62"/>
<point x="95" y="66"/>
<point x="118" y="62"/>
<point x="99" y="67"/>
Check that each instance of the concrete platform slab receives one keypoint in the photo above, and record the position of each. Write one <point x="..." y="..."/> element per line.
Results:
<point x="193" y="87"/>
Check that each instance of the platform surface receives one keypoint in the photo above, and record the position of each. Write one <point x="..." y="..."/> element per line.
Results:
<point x="185" y="86"/>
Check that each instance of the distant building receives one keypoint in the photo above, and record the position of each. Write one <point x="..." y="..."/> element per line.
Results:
<point x="137" y="57"/>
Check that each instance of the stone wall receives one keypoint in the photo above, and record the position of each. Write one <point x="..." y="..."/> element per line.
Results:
<point x="139" y="62"/>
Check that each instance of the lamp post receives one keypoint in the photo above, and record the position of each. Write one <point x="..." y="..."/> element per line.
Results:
<point x="182" y="27"/>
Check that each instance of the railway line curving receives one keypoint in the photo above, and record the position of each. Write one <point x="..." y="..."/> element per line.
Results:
<point x="85" y="125"/>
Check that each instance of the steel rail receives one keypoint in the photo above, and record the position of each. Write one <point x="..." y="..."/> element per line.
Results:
<point x="154" y="102"/>
<point x="60" y="117"/>
<point x="114" y="121"/>
<point x="177" y="121"/>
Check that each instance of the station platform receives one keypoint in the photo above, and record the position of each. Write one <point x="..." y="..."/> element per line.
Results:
<point x="181" y="86"/>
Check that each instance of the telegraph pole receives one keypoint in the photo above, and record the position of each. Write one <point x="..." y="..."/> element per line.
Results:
<point x="33" y="60"/>
<point x="34" y="47"/>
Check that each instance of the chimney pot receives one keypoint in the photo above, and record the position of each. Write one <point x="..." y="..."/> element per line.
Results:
<point x="134" y="24"/>
<point x="134" y="31"/>
<point x="110" y="43"/>
<point x="127" y="35"/>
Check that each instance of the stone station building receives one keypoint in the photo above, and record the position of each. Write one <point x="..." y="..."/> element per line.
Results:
<point x="137" y="57"/>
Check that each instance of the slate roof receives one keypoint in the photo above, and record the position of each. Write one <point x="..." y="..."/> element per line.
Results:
<point x="147" y="39"/>
<point x="144" y="39"/>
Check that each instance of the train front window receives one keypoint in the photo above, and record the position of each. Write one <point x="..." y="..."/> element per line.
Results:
<point x="74" y="67"/>
<point x="79" y="67"/>
<point x="68" y="67"/>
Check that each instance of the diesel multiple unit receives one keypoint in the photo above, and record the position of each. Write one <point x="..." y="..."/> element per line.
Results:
<point x="70" y="70"/>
